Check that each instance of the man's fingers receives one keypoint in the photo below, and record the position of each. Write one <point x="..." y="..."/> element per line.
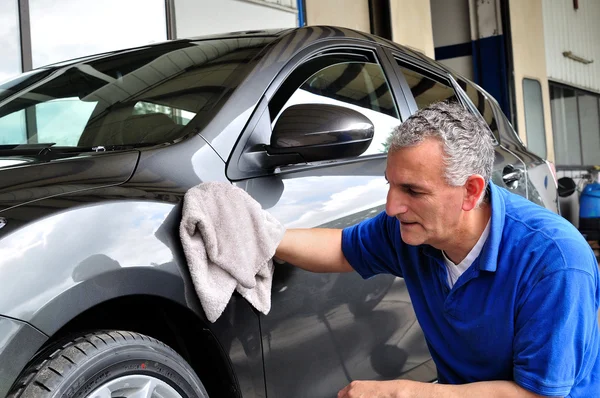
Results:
<point x="350" y="390"/>
<point x="343" y="392"/>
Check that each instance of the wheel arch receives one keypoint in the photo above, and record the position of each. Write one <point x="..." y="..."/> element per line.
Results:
<point x="167" y="321"/>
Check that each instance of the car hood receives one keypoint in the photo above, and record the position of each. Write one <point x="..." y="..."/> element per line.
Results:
<point x="27" y="179"/>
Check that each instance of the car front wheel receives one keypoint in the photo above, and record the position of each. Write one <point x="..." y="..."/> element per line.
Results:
<point x="109" y="364"/>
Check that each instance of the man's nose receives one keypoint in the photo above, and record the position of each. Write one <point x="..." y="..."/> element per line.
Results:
<point x="395" y="203"/>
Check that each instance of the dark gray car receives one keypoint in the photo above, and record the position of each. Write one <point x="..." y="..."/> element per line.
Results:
<point x="96" y="155"/>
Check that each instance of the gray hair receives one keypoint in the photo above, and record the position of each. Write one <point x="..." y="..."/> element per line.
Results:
<point x="466" y="139"/>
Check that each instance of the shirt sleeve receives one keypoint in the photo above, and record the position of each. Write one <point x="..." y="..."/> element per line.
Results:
<point x="556" y="334"/>
<point x="370" y="246"/>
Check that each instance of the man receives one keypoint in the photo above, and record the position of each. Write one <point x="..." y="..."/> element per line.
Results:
<point x="506" y="292"/>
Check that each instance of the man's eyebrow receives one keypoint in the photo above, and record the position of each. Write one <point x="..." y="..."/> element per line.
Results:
<point x="413" y="187"/>
<point x="410" y="186"/>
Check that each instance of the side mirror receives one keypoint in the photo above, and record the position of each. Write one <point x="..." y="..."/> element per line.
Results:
<point x="319" y="132"/>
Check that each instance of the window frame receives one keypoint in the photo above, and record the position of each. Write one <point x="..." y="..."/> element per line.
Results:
<point x="383" y="118"/>
<point x="240" y="166"/>
<point x="436" y="77"/>
<point x="400" y="60"/>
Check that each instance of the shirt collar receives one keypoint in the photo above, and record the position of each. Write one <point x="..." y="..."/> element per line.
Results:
<point x="489" y="254"/>
<point x="475" y="251"/>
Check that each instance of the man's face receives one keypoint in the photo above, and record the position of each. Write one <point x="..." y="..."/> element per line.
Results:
<point x="429" y="210"/>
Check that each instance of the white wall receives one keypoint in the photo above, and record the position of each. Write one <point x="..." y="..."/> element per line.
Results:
<point x="578" y="31"/>
<point x="529" y="61"/>
<point x="205" y="17"/>
<point x="411" y="25"/>
<point x="353" y="14"/>
<point x="451" y="25"/>
<point x="450" y="19"/>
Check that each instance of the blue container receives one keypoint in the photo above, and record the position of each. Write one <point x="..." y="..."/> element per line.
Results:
<point x="589" y="211"/>
<point x="589" y="202"/>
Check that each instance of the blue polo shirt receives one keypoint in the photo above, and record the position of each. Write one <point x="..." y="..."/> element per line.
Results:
<point x="526" y="309"/>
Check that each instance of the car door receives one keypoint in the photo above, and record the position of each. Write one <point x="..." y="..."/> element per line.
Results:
<point x="423" y="84"/>
<point x="325" y="330"/>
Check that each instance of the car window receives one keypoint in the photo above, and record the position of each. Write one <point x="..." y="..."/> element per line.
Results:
<point x="178" y="116"/>
<point x="483" y="105"/>
<point x="141" y="97"/>
<point x="425" y="89"/>
<point x="59" y="121"/>
<point x="356" y="83"/>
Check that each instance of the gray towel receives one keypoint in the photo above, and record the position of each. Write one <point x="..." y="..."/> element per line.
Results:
<point x="229" y="242"/>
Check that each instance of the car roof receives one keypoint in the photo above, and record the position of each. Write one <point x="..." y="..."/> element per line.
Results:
<point x="306" y="35"/>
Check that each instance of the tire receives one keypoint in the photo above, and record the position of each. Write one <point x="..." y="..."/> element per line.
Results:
<point x="105" y="361"/>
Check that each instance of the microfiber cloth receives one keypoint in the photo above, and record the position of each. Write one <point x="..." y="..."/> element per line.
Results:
<point x="229" y="242"/>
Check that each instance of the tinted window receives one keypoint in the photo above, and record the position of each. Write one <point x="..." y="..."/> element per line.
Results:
<point x="483" y="105"/>
<point x="141" y="97"/>
<point x="345" y="81"/>
<point x="426" y="90"/>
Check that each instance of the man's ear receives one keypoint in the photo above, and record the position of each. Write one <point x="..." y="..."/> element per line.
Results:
<point x="474" y="188"/>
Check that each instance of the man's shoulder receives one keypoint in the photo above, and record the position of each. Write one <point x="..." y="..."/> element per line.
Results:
<point x="534" y="219"/>
<point x="532" y="229"/>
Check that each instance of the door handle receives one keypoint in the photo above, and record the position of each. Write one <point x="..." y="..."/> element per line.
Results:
<point x="511" y="176"/>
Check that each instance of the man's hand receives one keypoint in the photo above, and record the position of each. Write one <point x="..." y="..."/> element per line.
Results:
<point x="371" y="389"/>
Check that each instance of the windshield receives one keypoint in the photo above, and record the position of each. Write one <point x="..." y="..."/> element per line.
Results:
<point x="136" y="98"/>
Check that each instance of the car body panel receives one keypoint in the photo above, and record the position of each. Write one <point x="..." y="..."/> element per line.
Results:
<point x="35" y="180"/>
<point x="62" y="243"/>
<point x="19" y="341"/>
<point x="62" y="264"/>
<point x="108" y="257"/>
<point x="317" y="318"/>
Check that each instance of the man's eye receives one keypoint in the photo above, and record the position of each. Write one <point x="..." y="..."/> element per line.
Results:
<point x="413" y="193"/>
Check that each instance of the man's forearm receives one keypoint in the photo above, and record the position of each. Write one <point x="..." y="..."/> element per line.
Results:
<point x="316" y="250"/>
<point x="413" y="389"/>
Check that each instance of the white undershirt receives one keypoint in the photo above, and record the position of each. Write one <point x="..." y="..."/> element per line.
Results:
<point x="456" y="270"/>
